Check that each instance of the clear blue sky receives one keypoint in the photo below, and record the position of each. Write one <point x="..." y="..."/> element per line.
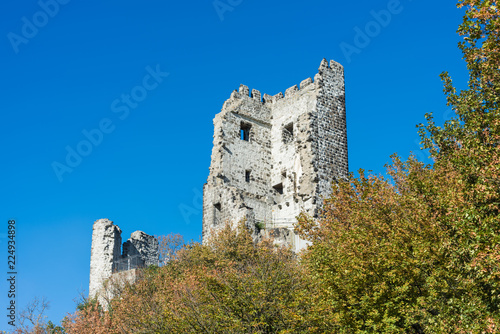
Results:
<point x="71" y="71"/>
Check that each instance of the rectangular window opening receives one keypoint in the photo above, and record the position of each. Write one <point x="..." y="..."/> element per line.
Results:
<point x="217" y="214"/>
<point x="247" y="176"/>
<point x="245" y="131"/>
<point x="288" y="133"/>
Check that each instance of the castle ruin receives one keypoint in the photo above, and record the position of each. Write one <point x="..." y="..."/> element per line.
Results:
<point x="107" y="259"/>
<point x="276" y="156"/>
<point x="273" y="157"/>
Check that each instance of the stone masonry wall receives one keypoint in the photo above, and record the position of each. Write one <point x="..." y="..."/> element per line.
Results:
<point x="295" y="146"/>
<point x="107" y="258"/>
<point x="143" y="245"/>
<point x="331" y="136"/>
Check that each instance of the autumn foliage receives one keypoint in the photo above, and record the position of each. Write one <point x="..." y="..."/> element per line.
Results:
<point x="228" y="285"/>
<point x="419" y="252"/>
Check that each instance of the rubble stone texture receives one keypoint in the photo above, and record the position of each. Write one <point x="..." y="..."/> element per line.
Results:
<point x="276" y="156"/>
<point x="143" y="245"/>
<point x="106" y="254"/>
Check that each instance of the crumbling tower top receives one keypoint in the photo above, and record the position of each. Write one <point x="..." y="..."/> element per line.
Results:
<point x="276" y="156"/>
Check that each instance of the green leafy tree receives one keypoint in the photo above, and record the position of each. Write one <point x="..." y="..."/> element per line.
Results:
<point x="420" y="252"/>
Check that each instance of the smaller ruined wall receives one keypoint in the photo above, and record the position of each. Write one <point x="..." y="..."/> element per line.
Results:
<point x="143" y="245"/>
<point x="106" y="256"/>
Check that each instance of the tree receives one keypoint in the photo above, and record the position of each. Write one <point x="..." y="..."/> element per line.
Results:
<point x="32" y="319"/>
<point x="419" y="252"/>
<point x="91" y="318"/>
<point x="169" y="246"/>
<point x="227" y="285"/>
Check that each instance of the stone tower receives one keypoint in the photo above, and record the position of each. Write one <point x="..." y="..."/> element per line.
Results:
<point x="276" y="156"/>
<point x="106" y="251"/>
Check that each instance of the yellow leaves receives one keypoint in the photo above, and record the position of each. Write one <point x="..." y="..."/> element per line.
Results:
<point x="396" y="248"/>
<point x="230" y="286"/>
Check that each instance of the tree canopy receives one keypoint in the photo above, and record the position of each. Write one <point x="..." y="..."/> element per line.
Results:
<point x="419" y="251"/>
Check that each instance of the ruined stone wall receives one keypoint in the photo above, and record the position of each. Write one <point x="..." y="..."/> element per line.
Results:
<point x="297" y="146"/>
<point x="291" y="152"/>
<point x="107" y="258"/>
<point x="144" y="246"/>
<point x="240" y="169"/>
<point x="330" y="141"/>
